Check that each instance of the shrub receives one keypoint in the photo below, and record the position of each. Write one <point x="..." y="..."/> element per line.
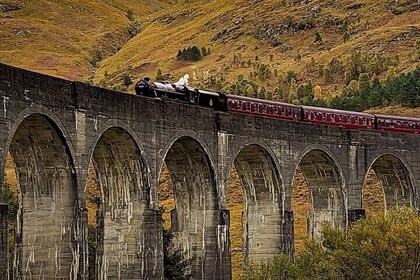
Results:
<point x="280" y="268"/>
<point x="381" y="247"/>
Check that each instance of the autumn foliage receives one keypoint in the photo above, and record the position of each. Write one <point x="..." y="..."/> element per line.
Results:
<point x="381" y="247"/>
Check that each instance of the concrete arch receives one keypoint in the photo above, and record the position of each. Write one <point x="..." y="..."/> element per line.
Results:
<point x="54" y="120"/>
<point x="193" y="135"/>
<point x="263" y="217"/>
<point x="46" y="218"/>
<point x="395" y="154"/>
<point x="264" y="146"/>
<point x="325" y="178"/>
<point x="115" y="123"/>
<point x="124" y="202"/>
<point x="396" y="178"/>
<point x="195" y="217"/>
<point x="324" y="150"/>
<point x="125" y="126"/>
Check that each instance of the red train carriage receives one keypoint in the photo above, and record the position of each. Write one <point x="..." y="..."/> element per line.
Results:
<point x="398" y="124"/>
<point x="270" y="109"/>
<point x="341" y="118"/>
<point x="277" y="110"/>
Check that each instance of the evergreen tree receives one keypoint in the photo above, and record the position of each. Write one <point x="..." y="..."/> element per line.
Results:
<point x="269" y="95"/>
<point x="159" y="76"/>
<point x="327" y="74"/>
<point x="127" y="80"/>
<point x="262" y="93"/>
<point x="318" y="38"/>
<point x="293" y="91"/>
<point x="176" y="267"/>
<point x="364" y="85"/>
<point x="375" y="94"/>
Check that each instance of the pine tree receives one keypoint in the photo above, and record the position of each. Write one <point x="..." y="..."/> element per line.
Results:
<point x="159" y="76"/>
<point x="262" y="93"/>
<point x="195" y="53"/>
<point x="364" y="85"/>
<point x="318" y="38"/>
<point x="327" y="74"/>
<point x="127" y="80"/>
<point x="269" y="95"/>
<point x="293" y="91"/>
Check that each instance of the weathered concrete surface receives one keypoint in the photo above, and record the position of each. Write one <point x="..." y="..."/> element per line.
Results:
<point x="53" y="128"/>
<point x="4" y="250"/>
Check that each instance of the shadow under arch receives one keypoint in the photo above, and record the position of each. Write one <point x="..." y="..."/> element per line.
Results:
<point x="122" y="205"/>
<point x="47" y="222"/>
<point x="195" y="218"/>
<point x="395" y="179"/>
<point x="262" y="219"/>
<point x="326" y="182"/>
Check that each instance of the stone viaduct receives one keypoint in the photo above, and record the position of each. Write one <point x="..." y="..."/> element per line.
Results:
<point x="53" y="129"/>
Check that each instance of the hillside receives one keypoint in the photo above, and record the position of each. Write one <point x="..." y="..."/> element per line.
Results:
<point x="104" y="41"/>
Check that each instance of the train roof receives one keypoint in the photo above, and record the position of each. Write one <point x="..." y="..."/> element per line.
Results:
<point x="336" y="111"/>
<point x="205" y="91"/>
<point x="390" y="117"/>
<point x="251" y="99"/>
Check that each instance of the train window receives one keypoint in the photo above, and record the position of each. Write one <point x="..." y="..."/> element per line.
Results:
<point x="265" y="109"/>
<point x="288" y="112"/>
<point x="318" y="116"/>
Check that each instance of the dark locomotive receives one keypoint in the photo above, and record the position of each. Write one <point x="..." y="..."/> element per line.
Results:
<point x="277" y="110"/>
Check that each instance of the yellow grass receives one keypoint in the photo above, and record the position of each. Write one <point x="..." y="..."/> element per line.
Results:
<point x="58" y="38"/>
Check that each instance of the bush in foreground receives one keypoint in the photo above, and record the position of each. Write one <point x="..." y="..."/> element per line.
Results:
<point x="376" y="248"/>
